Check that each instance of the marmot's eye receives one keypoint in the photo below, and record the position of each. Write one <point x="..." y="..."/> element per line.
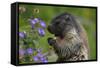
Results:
<point x="71" y="38"/>
<point x="56" y="23"/>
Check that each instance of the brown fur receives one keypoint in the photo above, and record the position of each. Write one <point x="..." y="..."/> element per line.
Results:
<point x="71" y="43"/>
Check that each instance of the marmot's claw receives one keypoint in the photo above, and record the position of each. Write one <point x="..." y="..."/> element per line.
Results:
<point x="51" y="41"/>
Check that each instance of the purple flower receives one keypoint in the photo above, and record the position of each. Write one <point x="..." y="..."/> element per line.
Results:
<point x="33" y="22"/>
<point x="32" y="26"/>
<point x="35" y="58"/>
<point x="36" y="19"/>
<point x="29" y="50"/>
<point x="22" y="34"/>
<point x="40" y="55"/>
<point x="21" y="51"/>
<point x="45" y="61"/>
<point x="41" y="32"/>
<point x="43" y="58"/>
<point x="42" y="23"/>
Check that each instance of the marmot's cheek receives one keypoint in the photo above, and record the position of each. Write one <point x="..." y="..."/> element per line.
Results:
<point x="60" y="41"/>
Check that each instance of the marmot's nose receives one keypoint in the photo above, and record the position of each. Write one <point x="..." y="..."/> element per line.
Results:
<point x="51" y="41"/>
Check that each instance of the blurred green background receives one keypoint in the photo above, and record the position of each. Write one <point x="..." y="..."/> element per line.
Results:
<point x="86" y="16"/>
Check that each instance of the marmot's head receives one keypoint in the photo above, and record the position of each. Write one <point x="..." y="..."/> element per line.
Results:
<point x="62" y="24"/>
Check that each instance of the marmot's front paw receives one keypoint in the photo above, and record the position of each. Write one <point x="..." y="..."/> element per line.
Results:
<point x="51" y="41"/>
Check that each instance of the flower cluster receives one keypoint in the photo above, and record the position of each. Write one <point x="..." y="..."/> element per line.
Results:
<point x="30" y="52"/>
<point x="40" y="57"/>
<point x="40" y="22"/>
<point x="22" y="34"/>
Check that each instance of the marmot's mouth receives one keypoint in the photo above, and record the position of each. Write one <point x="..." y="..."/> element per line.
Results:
<point x="60" y="36"/>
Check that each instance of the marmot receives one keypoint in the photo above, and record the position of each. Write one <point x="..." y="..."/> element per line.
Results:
<point x="71" y="43"/>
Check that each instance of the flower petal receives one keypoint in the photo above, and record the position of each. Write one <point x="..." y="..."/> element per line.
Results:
<point x="35" y="58"/>
<point x="42" y="23"/>
<point x="21" y="51"/>
<point x="29" y="50"/>
<point x="41" y="32"/>
<point x="22" y="34"/>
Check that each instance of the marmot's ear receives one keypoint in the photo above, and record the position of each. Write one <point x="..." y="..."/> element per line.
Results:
<point x="67" y="17"/>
